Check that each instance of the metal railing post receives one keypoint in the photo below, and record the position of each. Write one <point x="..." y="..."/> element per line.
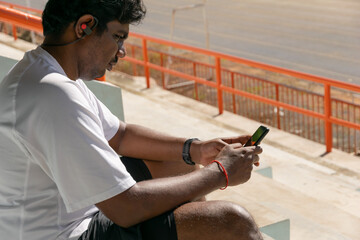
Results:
<point x="277" y="97"/>
<point x="327" y="111"/>
<point x="162" y="73"/>
<point x="14" y="30"/>
<point x="233" y="95"/>
<point x="195" y="83"/>
<point x="218" y="85"/>
<point x="134" y="65"/>
<point x="146" y="60"/>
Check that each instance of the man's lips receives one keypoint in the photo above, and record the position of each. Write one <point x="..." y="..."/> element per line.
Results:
<point x="112" y="64"/>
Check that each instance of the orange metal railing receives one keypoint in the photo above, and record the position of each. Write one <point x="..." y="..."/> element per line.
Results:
<point x="15" y="19"/>
<point x="323" y="114"/>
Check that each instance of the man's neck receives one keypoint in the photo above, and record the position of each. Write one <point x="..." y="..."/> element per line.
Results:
<point x="63" y="56"/>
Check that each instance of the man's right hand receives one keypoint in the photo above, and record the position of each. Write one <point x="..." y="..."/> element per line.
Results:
<point x="238" y="162"/>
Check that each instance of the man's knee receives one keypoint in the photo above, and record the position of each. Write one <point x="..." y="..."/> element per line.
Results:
<point x="239" y="223"/>
<point x="215" y="220"/>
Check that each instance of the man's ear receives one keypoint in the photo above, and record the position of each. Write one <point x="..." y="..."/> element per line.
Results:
<point x="83" y="25"/>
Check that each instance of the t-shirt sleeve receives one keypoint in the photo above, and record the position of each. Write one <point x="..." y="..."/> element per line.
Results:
<point x="110" y="123"/>
<point x="71" y="139"/>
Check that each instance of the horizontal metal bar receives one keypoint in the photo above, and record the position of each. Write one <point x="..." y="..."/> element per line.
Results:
<point x="273" y="102"/>
<point x="344" y="123"/>
<point x="179" y="85"/>
<point x="172" y="72"/>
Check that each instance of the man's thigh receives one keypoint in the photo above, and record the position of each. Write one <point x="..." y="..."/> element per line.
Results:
<point x="161" y="227"/>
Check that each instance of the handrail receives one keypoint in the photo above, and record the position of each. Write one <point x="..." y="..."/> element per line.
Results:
<point x="31" y="22"/>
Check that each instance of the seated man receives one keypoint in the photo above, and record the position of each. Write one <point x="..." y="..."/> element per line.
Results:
<point x="60" y="174"/>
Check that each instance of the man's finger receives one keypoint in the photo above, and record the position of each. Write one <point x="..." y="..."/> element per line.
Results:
<point x="238" y="139"/>
<point x="256" y="159"/>
<point x="220" y="144"/>
<point x="236" y="145"/>
<point x="258" y="150"/>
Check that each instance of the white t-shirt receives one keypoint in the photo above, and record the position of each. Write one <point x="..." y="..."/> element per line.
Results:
<point x="55" y="160"/>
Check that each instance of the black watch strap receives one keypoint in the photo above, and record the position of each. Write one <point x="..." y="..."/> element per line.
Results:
<point x="186" y="151"/>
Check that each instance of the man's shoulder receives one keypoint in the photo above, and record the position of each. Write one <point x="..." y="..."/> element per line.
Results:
<point x="34" y="67"/>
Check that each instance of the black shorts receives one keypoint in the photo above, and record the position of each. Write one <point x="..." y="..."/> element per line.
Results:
<point x="159" y="228"/>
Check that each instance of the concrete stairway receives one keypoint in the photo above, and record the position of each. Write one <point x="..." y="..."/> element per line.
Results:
<point x="308" y="197"/>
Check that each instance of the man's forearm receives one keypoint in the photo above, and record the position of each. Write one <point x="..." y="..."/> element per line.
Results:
<point x="150" y="198"/>
<point x="144" y="143"/>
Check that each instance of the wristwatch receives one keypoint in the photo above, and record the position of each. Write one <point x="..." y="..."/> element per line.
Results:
<point x="186" y="151"/>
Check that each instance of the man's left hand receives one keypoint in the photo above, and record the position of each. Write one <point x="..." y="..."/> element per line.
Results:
<point x="204" y="152"/>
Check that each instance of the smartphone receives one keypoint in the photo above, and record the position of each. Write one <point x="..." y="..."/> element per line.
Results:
<point x="256" y="138"/>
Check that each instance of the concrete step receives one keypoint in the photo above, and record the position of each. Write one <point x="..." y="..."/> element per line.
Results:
<point x="310" y="218"/>
<point x="313" y="180"/>
<point x="288" y="213"/>
<point x="281" y="198"/>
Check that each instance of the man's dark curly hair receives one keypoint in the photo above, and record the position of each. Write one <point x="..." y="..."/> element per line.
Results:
<point x="58" y="14"/>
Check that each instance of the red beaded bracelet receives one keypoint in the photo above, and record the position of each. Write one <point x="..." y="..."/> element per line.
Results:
<point x="225" y="173"/>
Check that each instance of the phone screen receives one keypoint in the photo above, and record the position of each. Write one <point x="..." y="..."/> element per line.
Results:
<point x="257" y="136"/>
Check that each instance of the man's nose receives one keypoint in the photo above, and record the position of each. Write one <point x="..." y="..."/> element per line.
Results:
<point x="122" y="51"/>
